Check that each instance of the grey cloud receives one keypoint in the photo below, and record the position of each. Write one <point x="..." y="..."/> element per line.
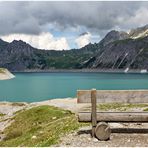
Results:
<point x="33" y="17"/>
<point x="84" y="33"/>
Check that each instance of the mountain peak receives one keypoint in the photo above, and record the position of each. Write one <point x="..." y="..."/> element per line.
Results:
<point x="19" y="41"/>
<point x="139" y="32"/>
<point x="2" y="43"/>
<point x="113" y="36"/>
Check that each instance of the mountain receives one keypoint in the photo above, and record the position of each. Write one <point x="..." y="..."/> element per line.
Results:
<point x="117" y="50"/>
<point x="121" y="50"/>
<point x="122" y="54"/>
<point x="19" y="56"/>
<point x="113" y="36"/>
<point x="139" y="32"/>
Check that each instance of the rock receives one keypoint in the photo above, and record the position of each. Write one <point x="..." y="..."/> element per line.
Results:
<point x="67" y="143"/>
<point x="89" y="139"/>
<point x="34" y="137"/>
<point x="53" y="118"/>
<point x="41" y="132"/>
<point x="113" y="36"/>
<point x="95" y="140"/>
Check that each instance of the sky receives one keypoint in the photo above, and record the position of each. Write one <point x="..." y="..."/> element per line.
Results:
<point x="66" y="25"/>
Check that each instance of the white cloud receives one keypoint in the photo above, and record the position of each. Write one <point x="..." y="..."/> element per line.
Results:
<point x="83" y="40"/>
<point x="44" y="40"/>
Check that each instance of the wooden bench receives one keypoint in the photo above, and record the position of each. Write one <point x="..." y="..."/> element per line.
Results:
<point x="100" y="127"/>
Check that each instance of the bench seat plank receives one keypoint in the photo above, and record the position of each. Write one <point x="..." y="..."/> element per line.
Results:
<point x="114" y="96"/>
<point x="115" y="116"/>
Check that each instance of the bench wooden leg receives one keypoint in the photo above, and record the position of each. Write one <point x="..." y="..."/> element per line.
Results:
<point x="93" y="131"/>
<point x="102" y="131"/>
<point x="93" y="114"/>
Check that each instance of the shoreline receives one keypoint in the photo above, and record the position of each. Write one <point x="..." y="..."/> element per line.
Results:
<point x="79" y="71"/>
<point x="8" y="108"/>
<point x="21" y="103"/>
<point x="5" y="74"/>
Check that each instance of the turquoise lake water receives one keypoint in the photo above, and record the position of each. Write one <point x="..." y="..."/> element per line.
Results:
<point x="32" y="87"/>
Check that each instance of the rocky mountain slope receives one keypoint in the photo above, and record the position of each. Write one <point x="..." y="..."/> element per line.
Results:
<point x="117" y="50"/>
<point x="19" y="56"/>
<point x="121" y="50"/>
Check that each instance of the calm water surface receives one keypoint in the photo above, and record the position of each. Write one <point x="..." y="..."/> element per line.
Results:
<point x="32" y="87"/>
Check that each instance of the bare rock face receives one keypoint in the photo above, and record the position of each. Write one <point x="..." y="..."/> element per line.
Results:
<point x="20" y="56"/>
<point x="139" y="32"/>
<point x="16" y="55"/>
<point x="5" y="74"/>
<point x="123" y="54"/>
<point x="121" y="50"/>
<point x="113" y="36"/>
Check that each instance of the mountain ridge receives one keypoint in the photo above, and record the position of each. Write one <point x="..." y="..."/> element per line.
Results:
<point x="117" y="50"/>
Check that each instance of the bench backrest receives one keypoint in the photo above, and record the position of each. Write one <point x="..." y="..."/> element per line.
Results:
<point x="113" y="96"/>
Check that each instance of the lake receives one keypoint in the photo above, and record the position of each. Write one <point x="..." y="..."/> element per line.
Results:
<point x="33" y="87"/>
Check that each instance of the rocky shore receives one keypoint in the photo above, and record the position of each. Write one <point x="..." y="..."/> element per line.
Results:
<point x="5" y="74"/>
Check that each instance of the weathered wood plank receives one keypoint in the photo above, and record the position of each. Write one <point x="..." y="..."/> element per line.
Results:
<point x="93" y="111"/>
<point x="115" y="116"/>
<point x="111" y="96"/>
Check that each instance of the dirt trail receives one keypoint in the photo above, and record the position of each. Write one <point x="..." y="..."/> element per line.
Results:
<point x="120" y="137"/>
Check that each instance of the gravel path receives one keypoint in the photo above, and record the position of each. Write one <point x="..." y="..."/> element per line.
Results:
<point x="82" y="137"/>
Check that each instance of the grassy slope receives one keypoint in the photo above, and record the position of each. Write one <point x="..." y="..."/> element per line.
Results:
<point x="45" y="123"/>
<point x="2" y="70"/>
<point x="120" y="106"/>
<point x="1" y="114"/>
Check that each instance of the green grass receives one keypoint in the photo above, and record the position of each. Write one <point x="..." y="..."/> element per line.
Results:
<point x="46" y="123"/>
<point x="119" y="106"/>
<point x="146" y="109"/>
<point x="2" y="70"/>
<point x="1" y="114"/>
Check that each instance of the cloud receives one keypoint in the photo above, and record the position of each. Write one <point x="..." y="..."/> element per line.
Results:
<point x="42" y="41"/>
<point x="99" y="17"/>
<point x="141" y="16"/>
<point x="83" y="39"/>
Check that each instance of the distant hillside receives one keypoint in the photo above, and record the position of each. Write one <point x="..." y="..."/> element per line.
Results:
<point x="19" y="55"/>
<point x="117" y="50"/>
